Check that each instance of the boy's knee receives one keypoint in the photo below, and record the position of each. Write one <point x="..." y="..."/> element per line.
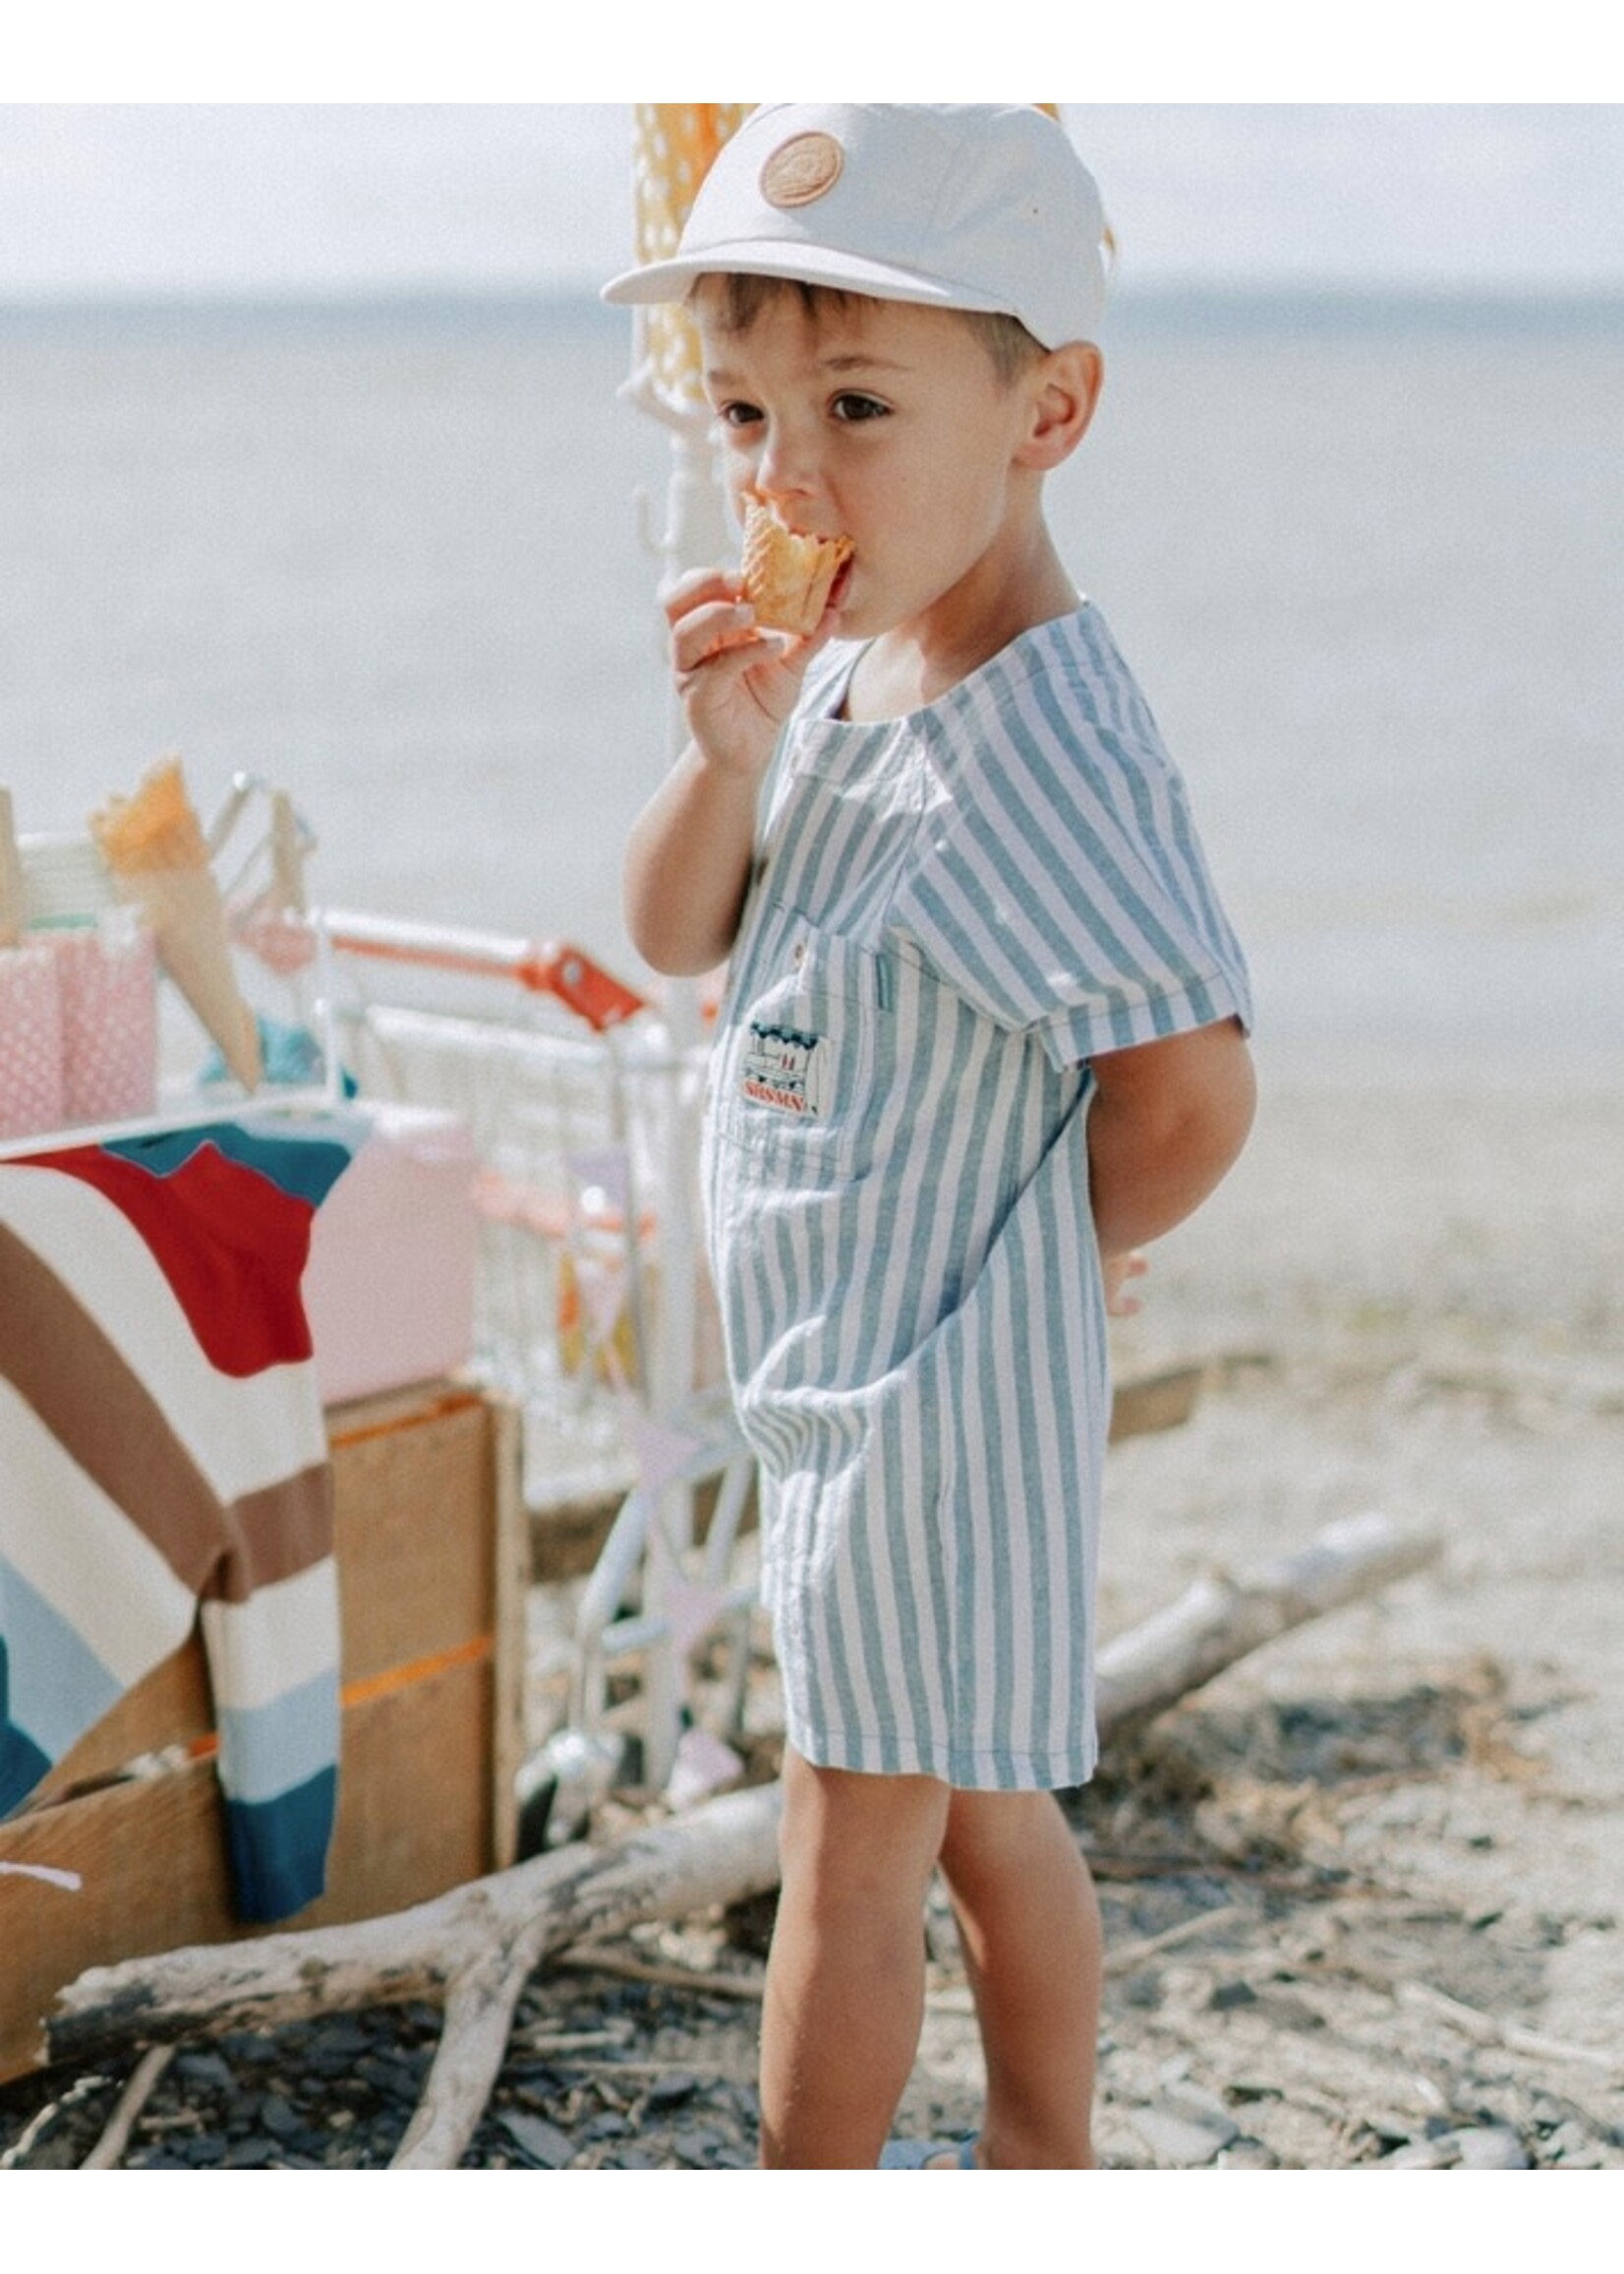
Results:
<point x="988" y="1832"/>
<point x="845" y="1827"/>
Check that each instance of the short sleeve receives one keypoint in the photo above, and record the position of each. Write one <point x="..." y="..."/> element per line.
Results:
<point x="1057" y="881"/>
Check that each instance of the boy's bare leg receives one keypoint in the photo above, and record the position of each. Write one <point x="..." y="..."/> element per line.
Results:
<point x="1029" y="1923"/>
<point x="845" y="1977"/>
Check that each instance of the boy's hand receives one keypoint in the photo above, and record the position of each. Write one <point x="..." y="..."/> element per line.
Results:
<point x="1119" y="1270"/>
<point x="738" y="681"/>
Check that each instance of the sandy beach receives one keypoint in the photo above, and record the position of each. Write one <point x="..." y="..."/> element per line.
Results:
<point x="1415" y="1286"/>
<point x="1362" y="1890"/>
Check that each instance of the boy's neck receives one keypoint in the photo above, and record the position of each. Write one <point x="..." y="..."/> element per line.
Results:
<point x="916" y="664"/>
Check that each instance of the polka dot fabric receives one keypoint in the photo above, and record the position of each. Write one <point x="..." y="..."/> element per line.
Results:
<point x="79" y="1040"/>
<point x="30" y="1042"/>
<point x="108" y="987"/>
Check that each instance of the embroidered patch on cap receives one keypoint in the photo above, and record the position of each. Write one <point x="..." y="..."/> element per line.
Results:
<point x="803" y="170"/>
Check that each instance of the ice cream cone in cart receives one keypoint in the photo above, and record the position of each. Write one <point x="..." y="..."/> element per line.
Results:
<point x="153" y="846"/>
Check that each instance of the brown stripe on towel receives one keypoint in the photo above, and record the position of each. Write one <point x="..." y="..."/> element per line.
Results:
<point x="63" y="1364"/>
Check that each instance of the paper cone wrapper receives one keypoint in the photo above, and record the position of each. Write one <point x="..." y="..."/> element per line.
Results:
<point x="186" y="914"/>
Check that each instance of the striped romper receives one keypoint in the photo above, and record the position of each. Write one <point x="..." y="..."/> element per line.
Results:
<point x="954" y="913"/>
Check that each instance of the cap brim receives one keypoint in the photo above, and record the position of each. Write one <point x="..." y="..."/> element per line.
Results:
<point x="666" y="280"/>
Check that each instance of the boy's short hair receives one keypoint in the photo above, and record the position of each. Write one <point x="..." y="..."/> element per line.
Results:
<point x="741" y="295"/>
<point x="975" y="207"/>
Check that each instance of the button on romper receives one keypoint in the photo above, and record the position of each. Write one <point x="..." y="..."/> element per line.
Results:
<point x="954" y="913"/>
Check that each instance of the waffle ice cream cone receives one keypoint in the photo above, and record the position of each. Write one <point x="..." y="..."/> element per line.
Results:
<point x="788" y="575"/>
<point x="155" y="853"/>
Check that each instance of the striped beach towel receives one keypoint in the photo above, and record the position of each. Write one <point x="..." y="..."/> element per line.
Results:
<point x="163" y="1461"/>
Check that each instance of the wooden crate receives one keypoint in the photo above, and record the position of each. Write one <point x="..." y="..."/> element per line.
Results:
<point x="433" y="1571"/>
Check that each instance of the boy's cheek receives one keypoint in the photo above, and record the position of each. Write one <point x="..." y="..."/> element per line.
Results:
<point x="739" y="459"/>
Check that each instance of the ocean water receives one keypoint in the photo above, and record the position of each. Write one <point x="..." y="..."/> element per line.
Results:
<point x="1366" y="559"/>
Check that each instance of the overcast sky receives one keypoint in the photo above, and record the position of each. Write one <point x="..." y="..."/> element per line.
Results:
<point x="204" y="196"/>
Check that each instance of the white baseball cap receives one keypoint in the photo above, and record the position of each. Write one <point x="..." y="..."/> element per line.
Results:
<point x="974" y="206"/>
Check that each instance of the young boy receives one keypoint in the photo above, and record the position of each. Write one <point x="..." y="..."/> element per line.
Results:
<point x="982" y="1038"/>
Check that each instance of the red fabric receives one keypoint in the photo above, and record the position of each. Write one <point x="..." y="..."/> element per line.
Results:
<point x="231" y="1243"/>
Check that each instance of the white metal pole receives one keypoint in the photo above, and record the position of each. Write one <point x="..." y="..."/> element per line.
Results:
<point x="696" y="533"/>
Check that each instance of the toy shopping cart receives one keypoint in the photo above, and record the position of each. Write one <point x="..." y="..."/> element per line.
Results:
<point x="593" y="1311"/>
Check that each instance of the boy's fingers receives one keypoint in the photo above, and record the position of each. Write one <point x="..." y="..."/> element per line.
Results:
<point x="1119" y="1270"/>
<point x="708" y="631"/>
<point x="732" y="653"/>
<point x="697" y="586"/>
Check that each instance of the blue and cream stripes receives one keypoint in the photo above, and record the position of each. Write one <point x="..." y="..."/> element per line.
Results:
<point x="956" y="910"/>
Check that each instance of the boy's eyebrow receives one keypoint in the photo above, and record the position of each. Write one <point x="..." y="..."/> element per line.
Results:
<point x="856" y="360"/>
<point x="861" y="359"/>
<point x="849" y="360"/>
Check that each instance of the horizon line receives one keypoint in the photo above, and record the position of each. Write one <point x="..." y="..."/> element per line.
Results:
<point x="368" y="295"/>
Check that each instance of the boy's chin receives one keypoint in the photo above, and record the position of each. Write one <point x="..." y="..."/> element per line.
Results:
<point x="858" y="619"/>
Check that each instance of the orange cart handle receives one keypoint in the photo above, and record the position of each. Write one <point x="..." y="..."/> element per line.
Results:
<point x="543" y="968"/>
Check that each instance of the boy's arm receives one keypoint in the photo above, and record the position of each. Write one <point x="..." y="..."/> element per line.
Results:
<point x="1167" y="1122"/>
<point x="688" y="866"/>
<point x="688" y="860"/>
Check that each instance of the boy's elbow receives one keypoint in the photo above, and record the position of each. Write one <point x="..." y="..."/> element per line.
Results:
<point x="681" y="912"/>
<point x="1170" y="1123"/>
<point x="669" y="943"/>
<point x="1232" y="1100"/>
<point x="666" y="943"/>
<point x="646" y="934"/>
<point x="1218" y="1110"/>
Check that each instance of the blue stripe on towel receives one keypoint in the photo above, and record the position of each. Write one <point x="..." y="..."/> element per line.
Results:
<point x="22" y="1763"/>
<point x="62" y="1688"/>
<point x="272" y="1749"/>
<point x="278" y="1848"/>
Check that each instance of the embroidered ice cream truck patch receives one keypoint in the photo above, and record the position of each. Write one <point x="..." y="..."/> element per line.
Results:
<point x="784" y="1069"/>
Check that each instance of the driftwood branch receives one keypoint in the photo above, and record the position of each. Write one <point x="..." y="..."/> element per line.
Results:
<point x="1219" y="1619"/>
<point x="108" y="2152"/>
<point x="474" y="1949"/>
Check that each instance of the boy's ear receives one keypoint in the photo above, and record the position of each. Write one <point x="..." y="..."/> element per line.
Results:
<point x="1065" y="388"/>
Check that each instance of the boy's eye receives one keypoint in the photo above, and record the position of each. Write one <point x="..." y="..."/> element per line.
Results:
<point x="738" y="414"/>
<point x="852" y="409"/>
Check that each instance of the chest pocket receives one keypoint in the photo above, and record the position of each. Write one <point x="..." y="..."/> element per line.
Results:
<point x="797" y="1075"/>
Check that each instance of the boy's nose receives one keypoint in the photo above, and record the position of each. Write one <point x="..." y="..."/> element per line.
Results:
<point x="785" y="469"/>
